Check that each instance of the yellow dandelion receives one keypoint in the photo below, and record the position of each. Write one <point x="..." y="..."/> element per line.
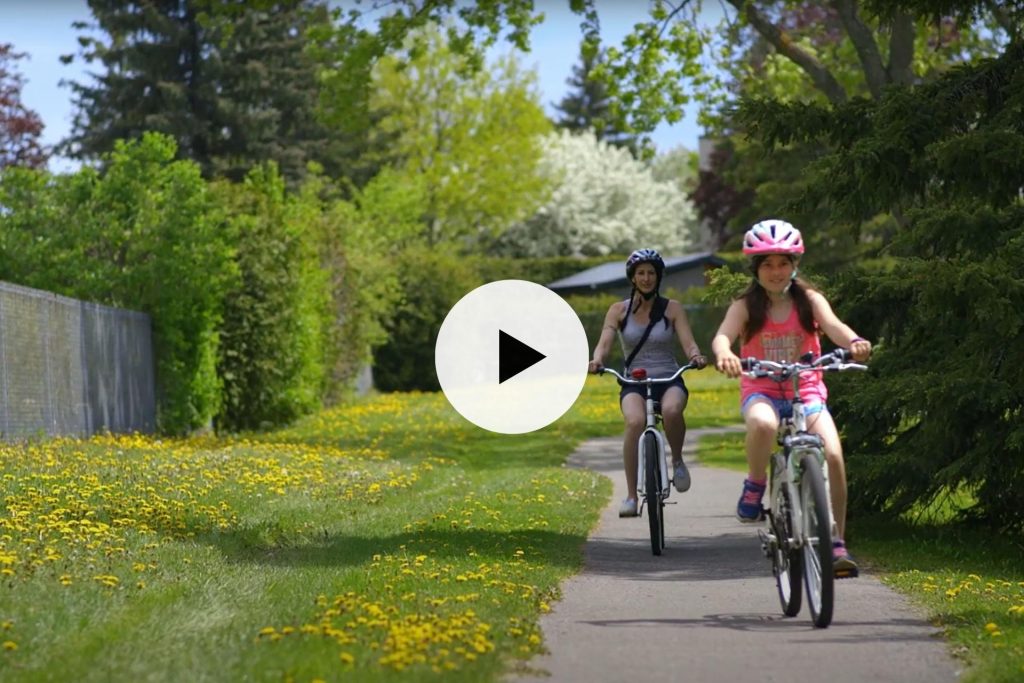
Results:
<point x="10" y="645"/>
<point x="991" y="627"/>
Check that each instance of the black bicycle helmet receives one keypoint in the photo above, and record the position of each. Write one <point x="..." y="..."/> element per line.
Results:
<point x="645" y="256"/>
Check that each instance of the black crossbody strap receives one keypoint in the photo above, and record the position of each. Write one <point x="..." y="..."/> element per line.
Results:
<point x="647" y="333"/>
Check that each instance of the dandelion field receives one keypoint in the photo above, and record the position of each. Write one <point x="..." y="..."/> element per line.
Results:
<point x="969" y="581"/>
<point x="386" y="539"/>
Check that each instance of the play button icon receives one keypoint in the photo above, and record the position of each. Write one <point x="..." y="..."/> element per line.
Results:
<point x="511" y="356"/>
<point x="514" y="356"/>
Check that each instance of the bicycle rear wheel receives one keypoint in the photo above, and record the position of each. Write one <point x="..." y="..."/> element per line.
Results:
<point x="817" y="548"/>
<point x="786" y="561"/>
<point x="652" y="486"/>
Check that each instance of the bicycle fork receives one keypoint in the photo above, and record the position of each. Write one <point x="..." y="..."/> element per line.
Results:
<point x="641" y="471"/>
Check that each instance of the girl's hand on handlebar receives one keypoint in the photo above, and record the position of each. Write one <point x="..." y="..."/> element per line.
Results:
<point x="728" y="364"/>
<point x="594" y="367"/>
<point x="699" y="361"/>
<point x="860" y="349"/>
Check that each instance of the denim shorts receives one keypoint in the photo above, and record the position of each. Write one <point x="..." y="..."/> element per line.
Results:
<point x="783" y="406"/>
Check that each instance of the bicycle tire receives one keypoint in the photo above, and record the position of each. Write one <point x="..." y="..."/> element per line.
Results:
<point x="817" y="548"/>
<point x="652" y="485"/>
<point x="786" y="562"/>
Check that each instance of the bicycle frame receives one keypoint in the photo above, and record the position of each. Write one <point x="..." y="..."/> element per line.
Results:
<point x="651" y="427"/>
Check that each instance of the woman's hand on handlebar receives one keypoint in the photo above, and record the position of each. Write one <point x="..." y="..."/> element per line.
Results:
<point x="698" y="361"/>
<point x="728" y="364"/>
<point x="594" y="367"/>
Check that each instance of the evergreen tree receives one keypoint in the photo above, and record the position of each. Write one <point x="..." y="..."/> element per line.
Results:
<point x="229" y="82"/>
<point x="586" y="106"/>
<point x="20" y="127"/>
<point x="940" y="412"/>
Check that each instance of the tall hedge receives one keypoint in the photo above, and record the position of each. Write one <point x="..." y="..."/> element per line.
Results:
<point x="432" y="281"/>
<point x="271" y="354"/>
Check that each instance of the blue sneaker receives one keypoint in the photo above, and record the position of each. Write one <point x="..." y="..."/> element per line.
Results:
<point x="749" y="508"/>
<point x="843" y="565"/>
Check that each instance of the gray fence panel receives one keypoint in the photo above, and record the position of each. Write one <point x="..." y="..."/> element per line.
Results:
<point x="119" y="387"/>
<point x="72" y="368"/>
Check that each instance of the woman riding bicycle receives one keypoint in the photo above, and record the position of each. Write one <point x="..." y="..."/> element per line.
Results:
<point x="780" y="318"/>
<point x="646" y="324"/>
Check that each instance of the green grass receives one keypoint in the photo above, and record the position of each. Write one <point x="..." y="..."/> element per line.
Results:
<point x="969" y="581"/>
<point x="387" y="539"/>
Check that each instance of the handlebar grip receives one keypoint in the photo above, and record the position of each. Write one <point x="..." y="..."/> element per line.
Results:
<point x="747" y="364"/>
<point x="842" y="355"/>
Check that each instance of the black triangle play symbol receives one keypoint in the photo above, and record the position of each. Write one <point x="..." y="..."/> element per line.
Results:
<point x="514" y="356"/>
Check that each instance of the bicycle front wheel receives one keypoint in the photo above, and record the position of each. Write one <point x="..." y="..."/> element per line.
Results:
<point x="817" y="548"/>
<point x="786" y="560"/>
<point x="652" y="486"/>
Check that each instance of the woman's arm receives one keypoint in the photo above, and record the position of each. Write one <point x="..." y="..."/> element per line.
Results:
<point x="677" y="314"/>
<point x="608" y="330"/>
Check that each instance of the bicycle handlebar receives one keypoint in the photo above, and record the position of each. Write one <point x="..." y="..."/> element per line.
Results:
<point x="647" y="380"/>
<point x="835" y="361"/>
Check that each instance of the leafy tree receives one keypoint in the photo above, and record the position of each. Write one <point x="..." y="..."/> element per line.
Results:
<point x="472" y="141"/>
<point x="604" y="201"/>
<point x="20" y="127"/>
<point x="363" y="239"/>
<point x="143" y="234"/>
<point x="229" y="82"/>
<point x="586" y="106"/>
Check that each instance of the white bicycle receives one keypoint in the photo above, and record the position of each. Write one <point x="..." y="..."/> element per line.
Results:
<point x="652" y="472"/>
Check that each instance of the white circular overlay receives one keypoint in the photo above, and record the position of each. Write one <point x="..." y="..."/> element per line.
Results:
<point x="531" y="321"/>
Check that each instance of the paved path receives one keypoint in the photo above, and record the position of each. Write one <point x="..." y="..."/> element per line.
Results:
<point x="707" y="609"/>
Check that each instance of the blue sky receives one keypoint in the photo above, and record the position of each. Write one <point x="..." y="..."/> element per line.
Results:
<point x="42" y="29"/>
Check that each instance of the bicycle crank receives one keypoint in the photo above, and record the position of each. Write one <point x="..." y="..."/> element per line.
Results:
<point x="769" y="543"/>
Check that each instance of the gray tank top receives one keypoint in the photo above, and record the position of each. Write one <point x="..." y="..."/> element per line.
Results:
<point x="657" y="355"/>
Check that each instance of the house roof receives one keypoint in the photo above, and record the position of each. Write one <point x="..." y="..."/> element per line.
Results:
<point x="614" y="273"/>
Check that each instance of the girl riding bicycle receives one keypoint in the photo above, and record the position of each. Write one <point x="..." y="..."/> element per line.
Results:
<point x="646" y="323"/>
<point x="781" y="317"/>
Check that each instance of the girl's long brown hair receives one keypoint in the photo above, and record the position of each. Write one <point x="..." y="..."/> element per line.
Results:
<point x="758" y="303"/>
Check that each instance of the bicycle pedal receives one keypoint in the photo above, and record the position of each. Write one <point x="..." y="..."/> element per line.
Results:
<point x="846" y="573"/>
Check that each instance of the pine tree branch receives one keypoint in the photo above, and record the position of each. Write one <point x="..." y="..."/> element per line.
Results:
<point x="820" y="75"/>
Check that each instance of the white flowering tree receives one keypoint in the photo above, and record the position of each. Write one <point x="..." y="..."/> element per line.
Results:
<point x="603" y="201"/>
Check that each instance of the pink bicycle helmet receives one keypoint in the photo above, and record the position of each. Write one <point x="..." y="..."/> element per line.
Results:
<point x="773" y="237"/>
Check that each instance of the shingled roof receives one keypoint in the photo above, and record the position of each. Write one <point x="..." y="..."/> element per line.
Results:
<point x="614" y="274"/>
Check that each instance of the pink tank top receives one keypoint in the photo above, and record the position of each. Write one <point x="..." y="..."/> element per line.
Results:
<point x="783" y="342"/>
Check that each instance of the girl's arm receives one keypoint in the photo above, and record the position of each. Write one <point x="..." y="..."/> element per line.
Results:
<point x="839" y="332"/>
<point x="732" y="326"/>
